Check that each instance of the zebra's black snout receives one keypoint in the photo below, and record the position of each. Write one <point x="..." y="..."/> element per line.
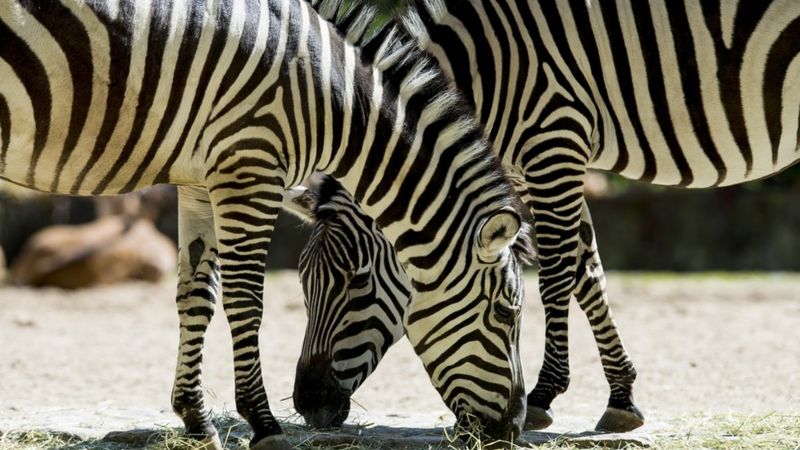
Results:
<point x="318" y="397"/>
<point x="506" y="430"/>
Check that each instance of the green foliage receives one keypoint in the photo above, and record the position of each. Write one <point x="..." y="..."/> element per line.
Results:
<point x="388" y="6"/>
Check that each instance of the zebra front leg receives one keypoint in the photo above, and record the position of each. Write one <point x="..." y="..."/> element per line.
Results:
<point x="246" y="207"/>
<point x="622" y="414"/>
<point x="198" y="288"/>
<point x="555" y="195"/>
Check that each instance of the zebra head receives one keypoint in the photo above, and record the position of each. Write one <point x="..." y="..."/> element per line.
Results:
<point x="467" y="333"/>
<point x="356" y="295"/>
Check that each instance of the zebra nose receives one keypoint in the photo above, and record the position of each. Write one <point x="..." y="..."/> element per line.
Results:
<point x="318" y="396"/>
<point x="509" y="427"/>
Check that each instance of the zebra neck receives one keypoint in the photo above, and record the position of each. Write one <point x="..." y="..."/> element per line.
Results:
<point x="421" y="170"/>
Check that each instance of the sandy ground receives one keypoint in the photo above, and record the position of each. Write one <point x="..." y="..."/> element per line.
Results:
<point x="701" y="344"/>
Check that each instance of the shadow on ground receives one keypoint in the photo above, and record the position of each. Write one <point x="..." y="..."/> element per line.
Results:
<point x="235" y="435"/>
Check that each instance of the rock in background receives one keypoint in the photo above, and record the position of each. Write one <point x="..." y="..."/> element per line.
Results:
<point x="108" y="250"/>
<point x="23" y="213"/>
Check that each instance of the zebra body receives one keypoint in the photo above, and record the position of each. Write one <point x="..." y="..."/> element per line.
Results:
<point x="236" y="100"/>
<point x="693" y="93"/>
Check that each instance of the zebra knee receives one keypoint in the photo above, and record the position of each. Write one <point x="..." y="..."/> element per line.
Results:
<point x="549" y="386"/>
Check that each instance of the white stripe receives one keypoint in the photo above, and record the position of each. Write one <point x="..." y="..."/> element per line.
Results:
<point x="727" y="13"/>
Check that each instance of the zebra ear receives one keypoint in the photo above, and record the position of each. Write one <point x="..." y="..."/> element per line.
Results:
<point x="499" y="231"/>
<point x="301" y="202"/>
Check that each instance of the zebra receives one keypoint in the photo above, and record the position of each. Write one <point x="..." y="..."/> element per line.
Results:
<point x="349" y="271"/>
<point x="692" y="93"/>
<point x="235" y="101"/>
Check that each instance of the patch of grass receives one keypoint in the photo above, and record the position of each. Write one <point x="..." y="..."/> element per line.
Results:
<point x="772" y="431"/>
<point x="13" y="440"/>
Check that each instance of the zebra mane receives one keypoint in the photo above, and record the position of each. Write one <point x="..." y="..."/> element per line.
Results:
<point x="409" y="72"/>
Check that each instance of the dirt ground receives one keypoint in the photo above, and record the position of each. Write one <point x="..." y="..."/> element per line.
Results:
<point x="709" y="344"/>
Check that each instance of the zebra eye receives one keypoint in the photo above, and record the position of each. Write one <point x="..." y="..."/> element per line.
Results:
<point x="359" y="280"/>
<point x="505" y="314"/>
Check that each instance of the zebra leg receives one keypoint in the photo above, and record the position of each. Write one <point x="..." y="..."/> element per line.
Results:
<point x="555" y="202"/>
<point x="198" y="287"/>
<point x="622" y="414"/>
<point x="246" y="206"/>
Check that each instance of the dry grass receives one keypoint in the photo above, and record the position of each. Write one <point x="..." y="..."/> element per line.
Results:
<point x="772" y="431"/>
<point x="13" y="440"/>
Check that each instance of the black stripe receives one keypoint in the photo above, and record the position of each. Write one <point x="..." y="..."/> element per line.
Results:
<point x="5" y="131"/>
<point x="337" y="77"/>
<point x="247" y="43"/>
<point x="730" y="64"/>
<point x="522" y="78"/>
<point x="589" y="43"/>
<point x="500" y="91"/>
<point x="455" y="52"/>
<point x="484" y="53"/>
<point x="315" y="52"/>
<point x="290" y="102"/>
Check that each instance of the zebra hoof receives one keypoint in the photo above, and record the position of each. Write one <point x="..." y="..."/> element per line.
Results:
<point x="275" y="442"/>
<point x="620" y="420"/>
<point x="538" y="418"/>
<point x="210" y="443"/>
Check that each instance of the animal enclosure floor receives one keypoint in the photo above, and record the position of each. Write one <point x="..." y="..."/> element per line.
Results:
<point x="703" y="346"/>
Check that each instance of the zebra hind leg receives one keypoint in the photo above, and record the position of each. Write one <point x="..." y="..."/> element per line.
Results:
<point x="621" y="414"/>
<point x="198" y="288"/>
<point x="245" y="212"/>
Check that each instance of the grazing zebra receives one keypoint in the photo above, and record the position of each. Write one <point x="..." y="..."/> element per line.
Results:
<point x="234" y="101"/>
<point x="350" y="273"/>
<point x="692" y="93"/>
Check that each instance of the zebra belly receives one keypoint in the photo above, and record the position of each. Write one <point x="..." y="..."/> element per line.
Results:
<point x="735" y="169"/>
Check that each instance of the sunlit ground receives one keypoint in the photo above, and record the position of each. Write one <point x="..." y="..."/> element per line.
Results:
<point x="718" y="357"/>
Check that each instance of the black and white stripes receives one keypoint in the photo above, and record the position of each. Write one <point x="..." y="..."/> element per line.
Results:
<point x="356" y="297"/>
<point x="692" y="93"/>
<point x="235" y="100"/>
